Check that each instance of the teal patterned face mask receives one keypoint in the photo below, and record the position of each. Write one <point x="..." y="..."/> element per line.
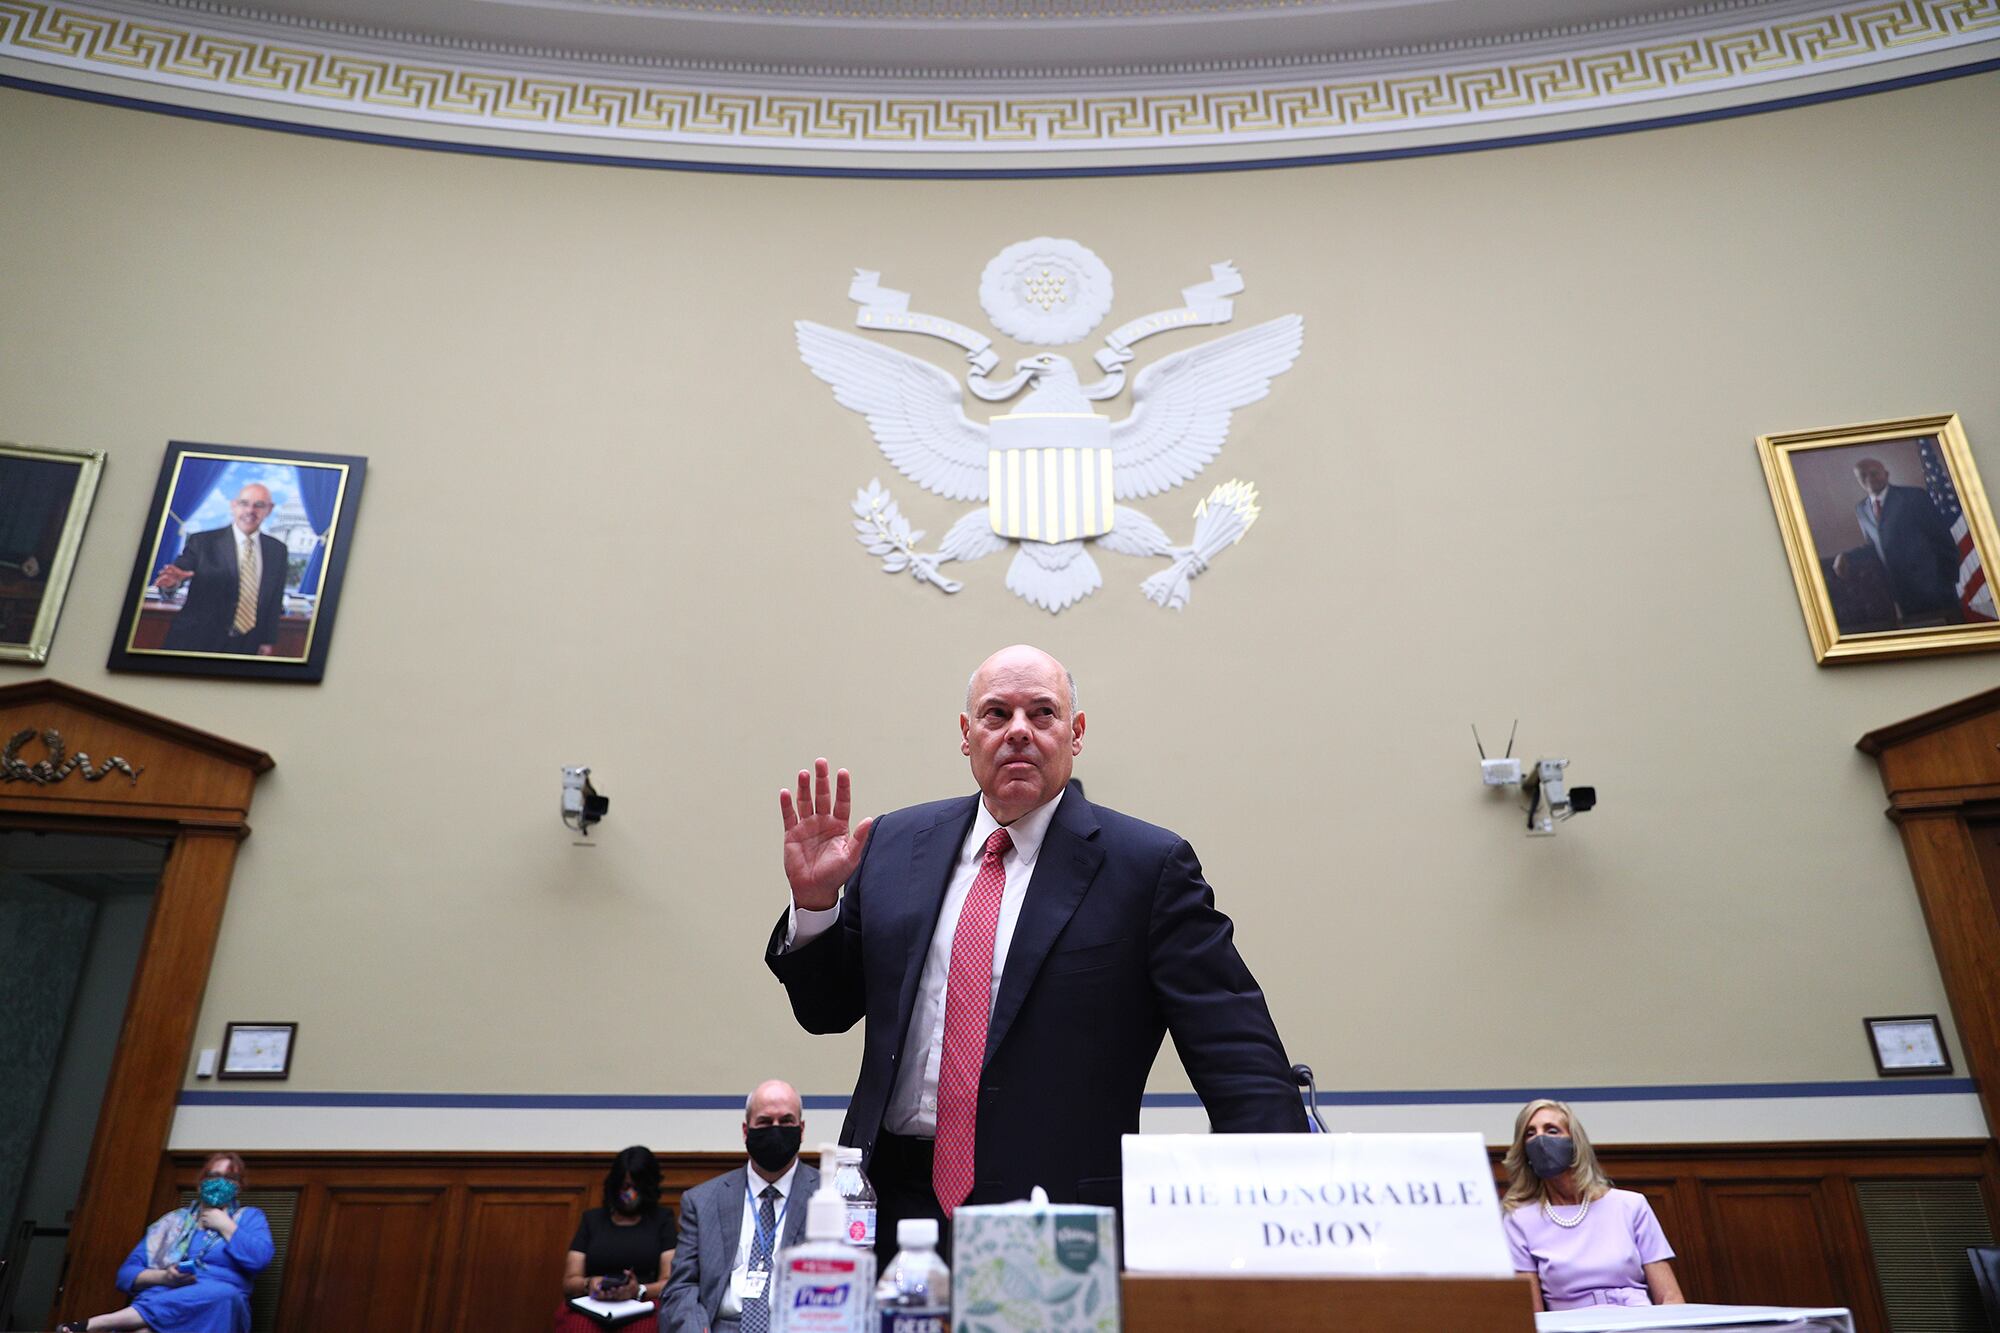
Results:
<point x="218" y="1192"/>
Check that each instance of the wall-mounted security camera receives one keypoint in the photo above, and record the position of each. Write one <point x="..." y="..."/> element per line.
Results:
<point x="1550" y="797"/>
<point x="1545" y="789"/>
<point x="581" y="805"/>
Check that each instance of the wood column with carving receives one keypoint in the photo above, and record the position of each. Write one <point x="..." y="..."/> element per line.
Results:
<point x="1942" y="772"/>
<point x="179" y="783"/>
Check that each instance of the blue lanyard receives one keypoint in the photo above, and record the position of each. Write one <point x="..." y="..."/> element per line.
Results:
<point x="197" y="1250"/>
<point x="770" y="1241"/>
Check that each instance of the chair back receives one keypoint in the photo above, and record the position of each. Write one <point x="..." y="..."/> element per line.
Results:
<point x="10" y="1268"/>
<point x="1986" y="1273"/>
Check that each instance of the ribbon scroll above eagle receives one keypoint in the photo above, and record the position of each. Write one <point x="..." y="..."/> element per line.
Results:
<point x="1050" y="472"/>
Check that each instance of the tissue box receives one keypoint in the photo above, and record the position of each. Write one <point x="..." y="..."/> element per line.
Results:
<point x="1034" y="1267"/>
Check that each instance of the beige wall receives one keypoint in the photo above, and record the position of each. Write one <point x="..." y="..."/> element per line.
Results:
<point x="605" y="521"/>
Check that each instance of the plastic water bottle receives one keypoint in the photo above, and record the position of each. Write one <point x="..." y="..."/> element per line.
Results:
<point x="859" y="1196"/>
<point x="914" y="1295"/>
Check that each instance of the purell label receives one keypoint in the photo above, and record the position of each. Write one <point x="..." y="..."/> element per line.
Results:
<point x="819" y="1298"/>
<point x="924" y="1319"/>
<point x="861" y="1225"/>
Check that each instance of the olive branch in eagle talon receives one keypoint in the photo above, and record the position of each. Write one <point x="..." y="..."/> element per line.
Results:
<point x="1220" y="522"/>
<point x="880" y="526"/>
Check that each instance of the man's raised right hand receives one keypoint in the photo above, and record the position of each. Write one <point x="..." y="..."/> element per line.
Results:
<point x="820" y="853"/>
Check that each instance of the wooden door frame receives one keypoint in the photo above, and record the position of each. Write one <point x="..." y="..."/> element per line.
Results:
<point x="193" y="788"/>
<point x="1941" y="770"/>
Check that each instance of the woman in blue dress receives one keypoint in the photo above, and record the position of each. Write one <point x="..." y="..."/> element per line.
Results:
<point x="193" y="1271"/>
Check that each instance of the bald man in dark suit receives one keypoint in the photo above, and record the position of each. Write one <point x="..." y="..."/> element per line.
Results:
<point x="1017" y="957"/>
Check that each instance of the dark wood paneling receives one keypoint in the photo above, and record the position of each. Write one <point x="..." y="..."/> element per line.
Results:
<point x="1772" y="1243"/>
<point x="1753" y="1223"/>
<point x="1986" y="848"/>
<point x="371" y="1259"/>
<point x="1156" y="1303"/>
<point x="515" y="1243"/>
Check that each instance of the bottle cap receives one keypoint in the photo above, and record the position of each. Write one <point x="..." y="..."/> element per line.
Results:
<point x="917" y="1233"/>
<point x="826" y="1215"/>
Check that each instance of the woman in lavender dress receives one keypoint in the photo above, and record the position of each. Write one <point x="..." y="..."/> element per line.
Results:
<point x="193" y="1270"/>
<point x="1584" y="1242"/>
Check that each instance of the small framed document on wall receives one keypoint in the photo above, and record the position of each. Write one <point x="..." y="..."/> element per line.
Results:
<point x="257" y="1050"/>
<point x="1908" y="1045"/>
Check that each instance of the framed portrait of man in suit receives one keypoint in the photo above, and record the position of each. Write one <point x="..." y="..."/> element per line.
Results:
<point x="1890" y="537"/>
<point x="45" y="497"/>
<point x="241" y="564"/>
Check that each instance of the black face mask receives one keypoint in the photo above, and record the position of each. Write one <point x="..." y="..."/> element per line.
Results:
<point x="771" y="1146"/>
<point x="1550" y="1154"/>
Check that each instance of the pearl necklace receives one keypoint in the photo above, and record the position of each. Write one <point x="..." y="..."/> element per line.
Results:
<point x="1566" y="1223"/>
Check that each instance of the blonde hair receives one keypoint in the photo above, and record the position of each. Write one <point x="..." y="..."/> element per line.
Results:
<point x="1524" y="1186"/>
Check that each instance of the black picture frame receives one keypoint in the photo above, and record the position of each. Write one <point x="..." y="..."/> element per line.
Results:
<point x="1877" y="1035"/>
<point x="229" y="1031"/>
<point x="310" y="505"/>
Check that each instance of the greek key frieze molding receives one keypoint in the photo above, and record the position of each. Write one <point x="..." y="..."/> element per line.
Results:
<point x="439" y="89"/>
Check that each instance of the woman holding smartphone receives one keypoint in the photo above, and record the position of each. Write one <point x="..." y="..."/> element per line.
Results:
<point x="193" y="1271"/>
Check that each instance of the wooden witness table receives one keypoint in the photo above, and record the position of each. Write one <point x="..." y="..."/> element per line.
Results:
<point x="1170" y="1303"/>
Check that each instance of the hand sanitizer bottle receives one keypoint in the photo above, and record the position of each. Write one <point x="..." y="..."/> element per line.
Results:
<point x="825" y="1285"/>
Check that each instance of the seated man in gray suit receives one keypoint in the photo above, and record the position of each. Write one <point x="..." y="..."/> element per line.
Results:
<point x="732" y="1225"/>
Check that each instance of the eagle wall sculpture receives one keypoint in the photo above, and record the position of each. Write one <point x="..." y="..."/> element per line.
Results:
<point x="1049" y="472"/>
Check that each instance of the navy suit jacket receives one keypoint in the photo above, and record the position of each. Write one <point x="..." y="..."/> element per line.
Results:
<point x="202" y="624"/>
<point x="1916" y="548"/>
<point x="1118" y="943"/>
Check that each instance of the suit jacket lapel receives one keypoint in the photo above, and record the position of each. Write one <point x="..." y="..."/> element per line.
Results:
<point x="803" y="1186"/>
<point x="933" y="854"/>
<point x="1068" y="862"/>
<point x="732" y="1229"/>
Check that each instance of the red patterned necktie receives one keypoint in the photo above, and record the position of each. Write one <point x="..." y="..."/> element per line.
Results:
<point x="968" y="1004"/>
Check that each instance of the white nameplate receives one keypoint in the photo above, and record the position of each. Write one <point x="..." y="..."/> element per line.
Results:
<point x="1312" y="1203"/>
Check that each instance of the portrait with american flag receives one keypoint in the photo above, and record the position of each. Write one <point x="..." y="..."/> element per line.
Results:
<point x="1889" y="535"/>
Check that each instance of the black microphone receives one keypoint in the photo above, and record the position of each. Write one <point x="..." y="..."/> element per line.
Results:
<point x="1303" y="1076"/>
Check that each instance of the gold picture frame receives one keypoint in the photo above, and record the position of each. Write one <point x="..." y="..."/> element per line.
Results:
<point x="1889" y="535"/>
<point x="45" y="497"/>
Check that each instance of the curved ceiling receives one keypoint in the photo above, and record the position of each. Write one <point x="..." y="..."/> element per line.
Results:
<point x="991" y="37"/>
<point x="980" y="85"/>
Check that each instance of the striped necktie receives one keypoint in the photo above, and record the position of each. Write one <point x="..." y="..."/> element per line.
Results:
<point x="249" y="572"/>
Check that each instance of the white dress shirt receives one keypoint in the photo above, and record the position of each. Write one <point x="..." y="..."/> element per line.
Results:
<point x="912" y="1110"/>
<point x="746" y="1237"/>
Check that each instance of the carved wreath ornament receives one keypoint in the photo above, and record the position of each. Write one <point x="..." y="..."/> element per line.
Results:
<point x="1050" y="472"/>
<point x="55" y="767"/>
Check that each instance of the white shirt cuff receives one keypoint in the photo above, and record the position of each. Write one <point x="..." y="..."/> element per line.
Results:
<point x="807" y="924"/>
